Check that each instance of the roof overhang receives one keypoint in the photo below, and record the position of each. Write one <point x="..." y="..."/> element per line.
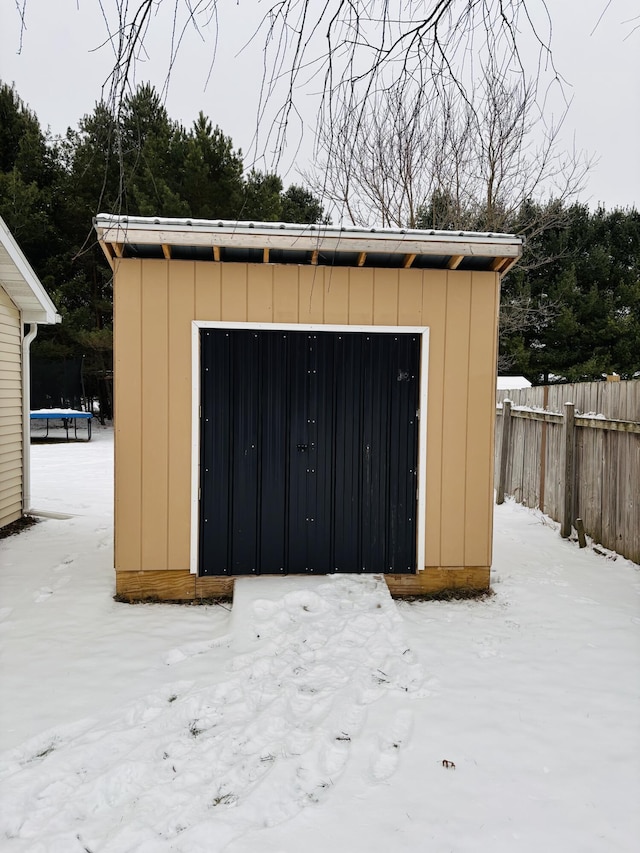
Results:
<point x="278" y="242"/>
<point x="22" y="284"/>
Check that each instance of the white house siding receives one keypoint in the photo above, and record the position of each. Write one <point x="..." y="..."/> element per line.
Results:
<point x="10" y="411"/>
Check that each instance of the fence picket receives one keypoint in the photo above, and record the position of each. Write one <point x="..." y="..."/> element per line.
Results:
<point x="595" y="477"/>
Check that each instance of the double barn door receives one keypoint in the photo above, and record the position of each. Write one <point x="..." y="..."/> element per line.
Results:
<point x="308" y="451"/>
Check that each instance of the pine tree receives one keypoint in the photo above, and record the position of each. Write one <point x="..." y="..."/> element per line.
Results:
<point x="591" y="288"/>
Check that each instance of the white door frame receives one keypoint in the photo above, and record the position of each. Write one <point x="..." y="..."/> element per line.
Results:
<point x="198" y="325"/>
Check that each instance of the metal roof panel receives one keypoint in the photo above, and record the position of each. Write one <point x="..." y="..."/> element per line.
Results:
<point x="329" y="244"/>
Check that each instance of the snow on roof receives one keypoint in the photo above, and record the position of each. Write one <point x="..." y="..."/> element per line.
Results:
<point x="511" y="383"/>
<point x="22" y="284"/>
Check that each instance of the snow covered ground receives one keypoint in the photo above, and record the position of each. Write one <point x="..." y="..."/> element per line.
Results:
<point x="316" y="716"/>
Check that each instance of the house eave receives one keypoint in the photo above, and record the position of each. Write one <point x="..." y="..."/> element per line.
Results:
<point x="21" y="283"/>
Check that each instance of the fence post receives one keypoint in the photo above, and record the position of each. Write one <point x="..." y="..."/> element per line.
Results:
<point x="568" y="461"/>
<point x="504" y="449"/>
<point x="543" y="448"/>
<point x="582" y="539"/>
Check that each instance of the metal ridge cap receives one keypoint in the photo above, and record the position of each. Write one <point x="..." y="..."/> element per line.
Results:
<point x="348" y="232"/>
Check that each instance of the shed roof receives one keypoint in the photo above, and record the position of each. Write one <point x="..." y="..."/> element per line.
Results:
<point x="280" y="242"/>
<point x="512" y="383"/>
<point x="22" y="284"/>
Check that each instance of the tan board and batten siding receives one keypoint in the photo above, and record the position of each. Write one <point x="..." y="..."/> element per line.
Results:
<point x="155" y="302"/>
<point x="11" y="465"/>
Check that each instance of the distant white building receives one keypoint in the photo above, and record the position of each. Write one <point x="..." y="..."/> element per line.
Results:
<point x="511" y="383"/>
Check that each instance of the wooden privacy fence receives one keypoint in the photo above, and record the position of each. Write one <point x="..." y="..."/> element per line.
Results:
<point x="573" y="451"/>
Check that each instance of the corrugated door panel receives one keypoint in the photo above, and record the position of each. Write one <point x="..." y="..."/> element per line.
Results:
<point x="321" y="461"/>
<point x="309" y="452"/>
<point x="403" y="455"/>
<point x="374" y="454"/>
<point x="274" y="443"/>
<point x="347" y="494"/>
<point x="245" y="471"/>
<point x="216" y="448"/>
<point x="297" y="371"/>
<point x="389" y="453"/>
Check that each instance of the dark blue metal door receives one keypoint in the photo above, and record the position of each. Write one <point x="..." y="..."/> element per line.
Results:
<point x="309" y="445"/>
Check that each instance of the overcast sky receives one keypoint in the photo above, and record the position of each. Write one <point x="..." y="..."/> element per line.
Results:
<point x="60" y="68"/>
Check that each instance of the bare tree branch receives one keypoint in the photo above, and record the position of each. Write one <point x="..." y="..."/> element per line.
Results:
<point x="351" y="50"/>
<point x="440" y="159"/>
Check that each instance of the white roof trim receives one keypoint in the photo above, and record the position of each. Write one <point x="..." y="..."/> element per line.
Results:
<point x="279" y="235"/>
<point x="22" y="284"/>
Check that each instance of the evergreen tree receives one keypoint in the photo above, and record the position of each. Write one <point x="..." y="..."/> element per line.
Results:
<point x="300" y="205"/>
<point x="29" y="176"/>
<point x="152" y="156"/>
<point x="262" y="197"/>
<point x="211" y="176"/>
<point x="591" y="289"/>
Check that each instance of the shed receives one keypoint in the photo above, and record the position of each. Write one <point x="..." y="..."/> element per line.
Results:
<point x="23" y="303"/>
<point x="298" y="399"/>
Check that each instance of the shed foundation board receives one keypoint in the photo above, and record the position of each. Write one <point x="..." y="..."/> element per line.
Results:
<point x="169" y="586"/>
<point x="435" y="580"/>
<point x="182" y="586"/>
<point x="155" y="586"/>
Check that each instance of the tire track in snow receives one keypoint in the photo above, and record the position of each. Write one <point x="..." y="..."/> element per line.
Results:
<point x="191" y="768"/>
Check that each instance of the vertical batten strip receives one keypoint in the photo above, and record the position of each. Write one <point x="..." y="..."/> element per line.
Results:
<point x="480" y="433"/>
<point x="336" y="295"/>
<point x="360" y="296"/>
<point x="311" y="291"/>
<point x="286" y="295"/>
<point x="181" y="313"/>
<point x="260" y="293"/>
<point x="455" y="418"/>
<point x="433" y="310"/>
<point x="155" y="414"/>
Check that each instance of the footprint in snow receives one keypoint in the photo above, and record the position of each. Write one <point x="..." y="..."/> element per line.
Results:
<point x="351" y="717"/>
<point x="486" y="653"/>
<point x="385" y="762"/>
<point x="45" y="592"/>
<point x="303" y="603"/>
<point x="191" y="649"/>
<point x="144" y="711"/>
<point x="335" y="754"/>
<point x="263" y="608"/>
<point x="66" y="563"/>
<point x="273" y="737"/>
